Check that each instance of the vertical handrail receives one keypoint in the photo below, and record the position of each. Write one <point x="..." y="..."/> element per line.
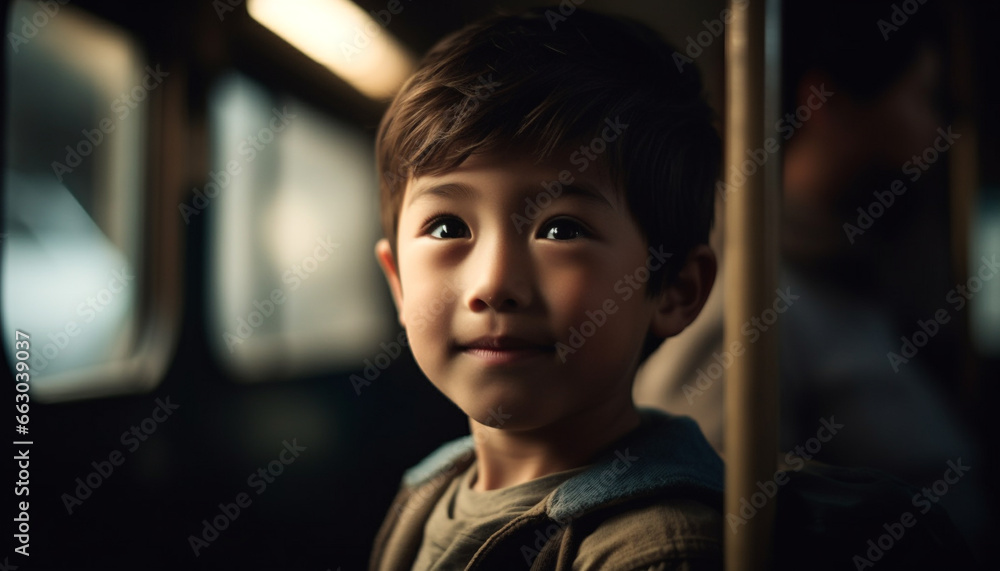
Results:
<point x="751" y="246"/>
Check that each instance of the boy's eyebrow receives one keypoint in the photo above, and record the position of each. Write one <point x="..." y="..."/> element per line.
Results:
<point x="462" y="190"/>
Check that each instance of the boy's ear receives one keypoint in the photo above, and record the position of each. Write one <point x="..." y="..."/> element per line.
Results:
<point x="383" y="253"/>
<point x="681" y="302"/>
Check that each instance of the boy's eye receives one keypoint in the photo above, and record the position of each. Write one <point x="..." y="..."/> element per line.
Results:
<point x="563" y="229"/>
<point x="448" y="228"/>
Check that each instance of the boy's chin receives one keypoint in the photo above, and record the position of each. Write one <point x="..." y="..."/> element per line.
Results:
<point x="509" y="415"/>
<point x="495" y="414"/>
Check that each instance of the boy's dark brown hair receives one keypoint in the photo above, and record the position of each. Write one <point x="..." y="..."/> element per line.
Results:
<point x="538" y="83"/>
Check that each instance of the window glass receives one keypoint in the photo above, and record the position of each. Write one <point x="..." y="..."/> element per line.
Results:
<point x="984" y="274"/>
<point x="293" y="200"/>
<point x="73" y="171"/>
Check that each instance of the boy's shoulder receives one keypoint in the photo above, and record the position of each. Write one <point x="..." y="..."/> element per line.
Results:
<point x="654" y="531"/>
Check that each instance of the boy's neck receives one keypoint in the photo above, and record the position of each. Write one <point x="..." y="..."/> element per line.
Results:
<point x="507" y="458"/>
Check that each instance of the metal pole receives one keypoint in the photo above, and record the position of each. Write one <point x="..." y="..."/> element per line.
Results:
<point x="751" y="246"/>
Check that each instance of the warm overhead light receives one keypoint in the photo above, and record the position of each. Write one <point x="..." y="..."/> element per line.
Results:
<point x="344" y="38"/>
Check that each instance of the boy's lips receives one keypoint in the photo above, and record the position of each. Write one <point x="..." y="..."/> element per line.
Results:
<point x="504" y="349"/>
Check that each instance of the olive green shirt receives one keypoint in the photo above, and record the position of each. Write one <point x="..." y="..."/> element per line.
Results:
<point x="463" y="519"/>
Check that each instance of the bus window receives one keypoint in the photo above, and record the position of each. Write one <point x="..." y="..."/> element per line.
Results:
<point x="293" y="201"/>
<point x="73" y="178"/>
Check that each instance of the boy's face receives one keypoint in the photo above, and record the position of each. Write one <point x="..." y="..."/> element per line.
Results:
<point x="486" y="291"/>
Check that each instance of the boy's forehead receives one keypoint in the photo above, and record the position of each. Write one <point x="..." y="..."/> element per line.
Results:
<point x="563" y="170"/>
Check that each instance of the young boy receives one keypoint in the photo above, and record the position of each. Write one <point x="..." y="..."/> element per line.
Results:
<point x="547" y="194"/>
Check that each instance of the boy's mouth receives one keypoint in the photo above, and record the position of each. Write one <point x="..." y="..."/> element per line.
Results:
<point x="501" y="350"/>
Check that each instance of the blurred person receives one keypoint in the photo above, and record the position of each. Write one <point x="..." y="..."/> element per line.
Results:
<point x="862" y="102"/>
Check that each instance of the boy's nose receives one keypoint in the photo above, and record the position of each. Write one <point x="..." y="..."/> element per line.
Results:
<point x="500" y="279"/>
